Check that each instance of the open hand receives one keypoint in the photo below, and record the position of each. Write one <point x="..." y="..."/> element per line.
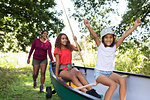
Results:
<point x="137" y="22"/>
<point x="86" y="23"/>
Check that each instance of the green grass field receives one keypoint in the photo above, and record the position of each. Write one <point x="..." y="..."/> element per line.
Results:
<point x="17" y="84"/>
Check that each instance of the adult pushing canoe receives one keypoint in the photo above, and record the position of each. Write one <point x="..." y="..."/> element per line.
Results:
<point x="137" y="86"/>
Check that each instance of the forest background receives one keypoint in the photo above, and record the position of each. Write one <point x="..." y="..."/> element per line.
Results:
<point x="23" y="20"/>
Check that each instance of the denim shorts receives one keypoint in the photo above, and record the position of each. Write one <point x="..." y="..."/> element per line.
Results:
<point x="38" y="62"/>
<point x="101" y="72"/>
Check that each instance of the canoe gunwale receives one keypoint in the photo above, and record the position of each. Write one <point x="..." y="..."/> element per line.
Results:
<point x="89" y="97"/>
<point x="119" y="72"/>
<point x="82" y="94"/>
<point x="133" y="74"/>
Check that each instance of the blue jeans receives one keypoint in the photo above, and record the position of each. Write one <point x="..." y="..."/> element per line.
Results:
<point x="101" y="72"/>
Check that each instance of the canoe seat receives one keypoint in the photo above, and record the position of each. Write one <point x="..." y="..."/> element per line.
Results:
<point x="71" y="84"/>
<point x="68" y="82"/>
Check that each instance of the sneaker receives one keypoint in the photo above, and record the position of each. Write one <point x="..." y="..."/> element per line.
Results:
<point x="34" y="84"/>
<point x="93" y="93"/>
<point x="41" y="88"/>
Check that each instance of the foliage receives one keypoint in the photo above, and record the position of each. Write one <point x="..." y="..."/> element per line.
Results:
<point x="95" y="11"/>
<point x="133" y="59"/>
<point x="98" y="12"/>
<point x="139" y="10"/>
<point x="16" y="82"/>
<point x="133" y="52"/>
<point x="130" y="57"/>
<point x="23" y="20"/>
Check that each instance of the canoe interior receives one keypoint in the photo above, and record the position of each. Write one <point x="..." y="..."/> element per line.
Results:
<point x="138" y="86"/>
<point x="66" y="92"/>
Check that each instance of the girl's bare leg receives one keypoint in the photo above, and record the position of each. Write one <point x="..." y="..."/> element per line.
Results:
<point x="43" y="70"/>
<point x="108" y="82"/>
<point x="71" y="76"/>
<point x="35" y="71"/>
<point x="80" y="77"/>
<point x="122" y="82"/>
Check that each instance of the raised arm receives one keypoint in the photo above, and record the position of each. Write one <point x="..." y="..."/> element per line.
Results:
<point x="96" y="39"/>
<point x="127" y="33"/>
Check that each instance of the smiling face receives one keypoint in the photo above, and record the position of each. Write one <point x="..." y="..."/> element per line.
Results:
<point x="44" y="35"/>
<point x="64" y="40"/>
<point x="108" y="40"/>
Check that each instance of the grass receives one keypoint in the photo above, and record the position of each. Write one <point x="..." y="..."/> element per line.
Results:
<point x="17" y="84"/>
<point x="16" y="79"/>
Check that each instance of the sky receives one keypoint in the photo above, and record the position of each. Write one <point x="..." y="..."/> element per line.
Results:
<point x="74" y="24"/>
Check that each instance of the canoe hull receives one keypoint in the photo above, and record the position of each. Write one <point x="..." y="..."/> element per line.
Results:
<point x="66" y="92"/>
<point x="138" y="86"/>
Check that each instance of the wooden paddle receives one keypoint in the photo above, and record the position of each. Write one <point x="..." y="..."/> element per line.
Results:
<point x="85" y="86"/>
<point x="73" y="35"/>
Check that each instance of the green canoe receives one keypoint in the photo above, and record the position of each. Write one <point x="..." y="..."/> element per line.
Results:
<point x="138" y="86"/>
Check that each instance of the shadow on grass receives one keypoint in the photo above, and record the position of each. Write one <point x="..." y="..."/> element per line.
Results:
<point x="17" y="84"/>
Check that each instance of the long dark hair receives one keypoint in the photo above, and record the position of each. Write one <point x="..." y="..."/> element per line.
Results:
<point x="113" y="43"/>
<point x="58" y="42"/>
<point x="43" y="32"/>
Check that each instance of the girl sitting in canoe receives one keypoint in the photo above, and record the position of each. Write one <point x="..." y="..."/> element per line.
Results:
<point x="63" y="54"/>
<point x="106" y="59"/>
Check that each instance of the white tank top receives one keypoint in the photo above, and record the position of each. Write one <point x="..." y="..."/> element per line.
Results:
<point x="106" y="58"/>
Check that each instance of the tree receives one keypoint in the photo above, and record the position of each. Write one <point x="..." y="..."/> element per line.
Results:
<point x="93" y="10"/>
<point x="97" y="11"/>
<point x="23" y="20"/>
<point x="140" y="9"/>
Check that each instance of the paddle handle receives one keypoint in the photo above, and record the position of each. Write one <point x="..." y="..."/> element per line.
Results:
<point x="85" y="86"/>
<point x="79" y="51"/>
<point x="125" y="76"/>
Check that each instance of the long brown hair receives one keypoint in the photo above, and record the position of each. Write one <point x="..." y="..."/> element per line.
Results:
<point x="58" y="42"/>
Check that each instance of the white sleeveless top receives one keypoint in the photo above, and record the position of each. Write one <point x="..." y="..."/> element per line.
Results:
<point x="105" y="58"/>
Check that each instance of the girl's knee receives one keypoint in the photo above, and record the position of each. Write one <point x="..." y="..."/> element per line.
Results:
<point x="113" y="85"/>
<point x="35" y="74"/>
<point x="73" y="78"/>
<point x="42" y="73"/>
<point x="122" y="81"/>
<point x="79" y="73"/>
